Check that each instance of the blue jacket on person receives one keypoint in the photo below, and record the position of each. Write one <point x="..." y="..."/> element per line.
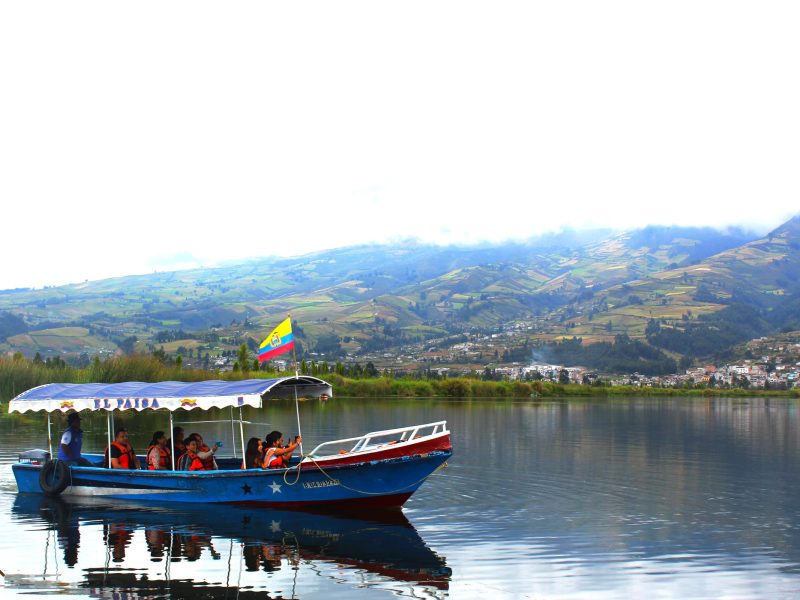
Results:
<point x="75" y="443"/>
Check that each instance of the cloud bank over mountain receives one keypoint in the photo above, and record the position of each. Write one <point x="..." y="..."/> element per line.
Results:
<point x="130" y="135"/>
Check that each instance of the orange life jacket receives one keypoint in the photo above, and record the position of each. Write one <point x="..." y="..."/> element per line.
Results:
<point x="274" y="461"/>
<point x="163" y="458"/>
<point x="127" y="459"/>
<point x="208" y="463"/>
<point x="195" y="464"/>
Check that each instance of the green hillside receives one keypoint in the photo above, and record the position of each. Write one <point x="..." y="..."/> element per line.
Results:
<point x="703" y="309"/>
<point x="657" y="285"/>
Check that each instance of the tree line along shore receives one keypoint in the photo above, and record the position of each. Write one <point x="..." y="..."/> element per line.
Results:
<point x="19" y="374"/>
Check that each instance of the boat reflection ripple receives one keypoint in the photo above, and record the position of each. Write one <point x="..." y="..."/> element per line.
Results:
<point x="220" y="551"/>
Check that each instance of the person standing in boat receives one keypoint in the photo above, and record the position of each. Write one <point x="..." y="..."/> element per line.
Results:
<point x="277" y="455"/>
<point x="69" y="449"/>
<point x="158" y="457"/>
<point x="121" y="454"/>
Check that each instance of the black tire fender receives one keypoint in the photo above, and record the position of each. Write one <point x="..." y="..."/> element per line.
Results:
<point x="54" y="477"/>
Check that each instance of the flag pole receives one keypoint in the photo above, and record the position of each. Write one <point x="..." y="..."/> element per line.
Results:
<point x="296" y="401"/>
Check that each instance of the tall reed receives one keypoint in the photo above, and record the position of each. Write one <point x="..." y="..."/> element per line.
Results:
<point x="19" y="374"/>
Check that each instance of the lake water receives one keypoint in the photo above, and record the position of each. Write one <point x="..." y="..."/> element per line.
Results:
<point x="633" y="498"/>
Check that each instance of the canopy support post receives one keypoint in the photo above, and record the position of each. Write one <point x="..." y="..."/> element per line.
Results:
<point x="233" y="434"/>
<point x="171" y="441"/>
<point x="108" y="431"/>
<point x="49" y="437"/>
<point x="297" y="409"/>
<point x="241" y="434"/>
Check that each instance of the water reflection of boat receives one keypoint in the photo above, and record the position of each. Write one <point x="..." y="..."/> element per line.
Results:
<point x="383" y="543"/>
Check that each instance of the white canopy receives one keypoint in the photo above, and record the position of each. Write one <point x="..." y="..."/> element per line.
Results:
<point x="172" y="395"/>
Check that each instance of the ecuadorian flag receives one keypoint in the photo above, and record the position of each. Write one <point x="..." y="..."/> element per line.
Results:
<point x="279" y="341"/>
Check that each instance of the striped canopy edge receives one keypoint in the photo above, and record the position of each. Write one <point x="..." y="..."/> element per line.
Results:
<point x="171" y="395"/>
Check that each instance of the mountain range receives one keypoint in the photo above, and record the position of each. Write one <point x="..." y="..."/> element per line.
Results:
<point x="680" y="292"/>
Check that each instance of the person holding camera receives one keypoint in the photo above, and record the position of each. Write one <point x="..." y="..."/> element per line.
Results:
<point x="277" y="455"/>
<point x="204" y="453"/>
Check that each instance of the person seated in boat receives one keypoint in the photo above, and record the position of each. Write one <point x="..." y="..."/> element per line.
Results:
<point x="158" y="456"/>
<point x="204" y="453"/>
<point x="277" y="455"/>
<point x="177" y="440"/>
<point x="72" y="441"/>
<point x="189" y="461"/>
<point x="254" y="454"/>
<point x="121" y="453"/>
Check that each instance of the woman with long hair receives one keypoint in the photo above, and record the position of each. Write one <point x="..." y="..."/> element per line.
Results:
<point x="158" y="457"/>
<point x="277" y="455"/>
<point x="254" y="454"/>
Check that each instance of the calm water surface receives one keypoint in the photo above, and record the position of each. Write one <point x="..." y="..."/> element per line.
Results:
<point x="641" y="498"/>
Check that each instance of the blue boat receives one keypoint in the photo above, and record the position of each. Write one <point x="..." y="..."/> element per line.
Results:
<point x="378" y="469"/>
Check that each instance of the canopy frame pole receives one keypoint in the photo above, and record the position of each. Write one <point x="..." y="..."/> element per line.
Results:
<point x="297" y="409"/>
<point x="171" y="441"/>
<point x="233" y="432"/>
<point x="108" y="435"/>
<point x="241" y="434"/>
<point x="112" y="435"/>
<point x="49" y="437"/>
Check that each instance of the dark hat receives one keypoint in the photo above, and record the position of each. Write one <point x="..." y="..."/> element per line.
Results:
<point x="73" y="416"/>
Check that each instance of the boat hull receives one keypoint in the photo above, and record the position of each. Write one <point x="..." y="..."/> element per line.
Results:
<point x="379" y="483"/>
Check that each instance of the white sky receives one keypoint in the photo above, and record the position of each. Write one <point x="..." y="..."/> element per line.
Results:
<point x="155" y="135"/>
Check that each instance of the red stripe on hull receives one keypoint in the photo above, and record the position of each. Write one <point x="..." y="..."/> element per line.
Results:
<point x="393" y="451"/>
<point x="338" y="506"/>
<point x="440" y="581"/>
